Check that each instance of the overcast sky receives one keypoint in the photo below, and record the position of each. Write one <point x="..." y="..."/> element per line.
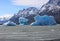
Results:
<point x="10" y="7"/>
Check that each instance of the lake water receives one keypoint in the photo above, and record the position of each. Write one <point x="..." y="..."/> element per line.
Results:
<point x="30" y="32"/>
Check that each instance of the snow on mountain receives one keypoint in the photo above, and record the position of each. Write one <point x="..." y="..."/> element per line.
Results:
<point x="5" y="17"/>
<point x="52" y="7"/>
<point x="28" y="13"/>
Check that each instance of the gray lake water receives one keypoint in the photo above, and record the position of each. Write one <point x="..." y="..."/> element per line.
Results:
<point x="29" y="33"/>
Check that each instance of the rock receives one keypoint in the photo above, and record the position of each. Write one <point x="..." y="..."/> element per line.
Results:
<point x="54" y="2"/>
<point x="15" y="19"/>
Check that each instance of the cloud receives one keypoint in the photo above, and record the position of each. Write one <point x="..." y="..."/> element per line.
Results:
<point x="34" y="3"/>
<point x="6" y="16"/>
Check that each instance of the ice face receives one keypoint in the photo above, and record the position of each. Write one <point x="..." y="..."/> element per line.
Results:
<point x="10" y="23"/>
<point x="52" y="20"/>
<point x="23" y="21"/>
<point x="44" y="20"/>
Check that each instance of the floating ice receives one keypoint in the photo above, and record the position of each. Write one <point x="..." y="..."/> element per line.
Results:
<point x="9" y="23"/>
<point x="23" y="21"/>
<point x="35" y="23"/>
<point x="44" y="20"/>
<point x="52" y="20"/>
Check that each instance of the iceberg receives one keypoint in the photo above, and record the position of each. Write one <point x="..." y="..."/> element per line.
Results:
<point x="52" y="20"/>
<point x="10" y="23"/>
<point x="23" y="21"/>
<point x="35" y="23"/>
<point x="43" y="20"/>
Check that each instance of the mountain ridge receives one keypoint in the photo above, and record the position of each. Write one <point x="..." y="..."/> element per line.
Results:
<point x="52" y="7"/>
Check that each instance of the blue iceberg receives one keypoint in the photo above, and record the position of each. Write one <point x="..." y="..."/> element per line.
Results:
<point x="43" y="20"/>
<point x="38" y="18"/>
<point x="52" y="20"/>
<point x="23" y="21"/>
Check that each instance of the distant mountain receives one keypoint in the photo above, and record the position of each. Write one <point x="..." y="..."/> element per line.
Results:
<point x="50" y="8"/>
<point x="54" y="2"/>
<point x="3" y="20"/>
<point x="28" y="13"/>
